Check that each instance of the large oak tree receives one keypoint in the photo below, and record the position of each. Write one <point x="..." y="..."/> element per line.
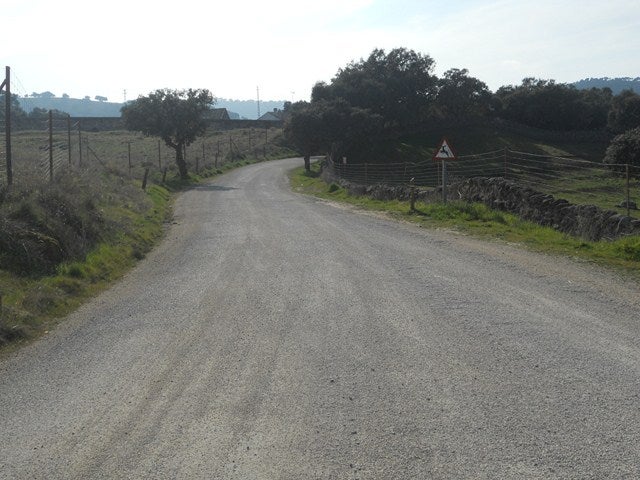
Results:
<point x="178" y="117"/>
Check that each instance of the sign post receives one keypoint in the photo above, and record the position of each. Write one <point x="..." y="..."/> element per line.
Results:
<point x="444" y="153"/>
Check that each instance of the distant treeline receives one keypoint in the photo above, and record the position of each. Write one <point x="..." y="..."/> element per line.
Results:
<point x="238" y="109"/>
<point x="617" y="85"/>
<point x="371" y="105"/>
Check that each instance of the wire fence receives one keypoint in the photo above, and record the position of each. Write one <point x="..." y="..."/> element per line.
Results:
<point x="578" y="181"/>
<point x="59" y="146"/>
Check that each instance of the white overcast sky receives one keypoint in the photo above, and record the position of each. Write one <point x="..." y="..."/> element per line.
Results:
<point x="92" y="48"/>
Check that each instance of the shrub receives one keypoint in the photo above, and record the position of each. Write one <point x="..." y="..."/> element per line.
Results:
<point x="624" y="149"/>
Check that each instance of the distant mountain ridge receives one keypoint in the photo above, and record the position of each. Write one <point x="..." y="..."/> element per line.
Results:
<point x="89" y="108"/>
<point x="616" y="85"/>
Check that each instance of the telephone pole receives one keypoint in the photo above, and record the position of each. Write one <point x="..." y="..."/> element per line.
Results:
<point x="6" y="85"/>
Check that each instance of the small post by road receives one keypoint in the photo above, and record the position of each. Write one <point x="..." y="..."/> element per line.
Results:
<point x="144" y="179"/>
<point x="628" y="192"/>
<point x="412" y="194"/>
<point x="444" y="181"/>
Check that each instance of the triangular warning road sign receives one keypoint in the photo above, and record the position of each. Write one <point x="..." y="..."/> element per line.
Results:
<point x="444" y="152"/>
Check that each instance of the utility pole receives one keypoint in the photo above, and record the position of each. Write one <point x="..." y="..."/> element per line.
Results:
<point x="51" y="145"/>
<point x="69" y="137"/>
<point x="7" y="118"/>
<point x="79" y="143"/>
<point x="258" y="91"/>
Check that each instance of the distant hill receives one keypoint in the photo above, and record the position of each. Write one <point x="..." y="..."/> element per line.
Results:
<point x="616" y="85"/>
<point x="89" y="108"/>
<point x="73" y="106"/>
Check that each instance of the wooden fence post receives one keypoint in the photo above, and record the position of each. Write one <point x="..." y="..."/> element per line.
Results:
<point x="628" y="192"/>
<point x="69" y="137"/>
<point x="51" y="145"/>
<point x="79" y="144"/>
<point x="505" y="162"/>
<point x="144" y="180"/>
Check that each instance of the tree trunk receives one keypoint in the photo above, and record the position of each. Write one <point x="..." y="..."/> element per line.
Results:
<point x="307" y="163"/>
<point x="182" y="165"/>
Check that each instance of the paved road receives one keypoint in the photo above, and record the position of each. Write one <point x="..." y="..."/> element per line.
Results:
<point x="275" y="336"/>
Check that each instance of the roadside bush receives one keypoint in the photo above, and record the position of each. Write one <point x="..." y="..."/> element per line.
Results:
<point x="53" y="223"/>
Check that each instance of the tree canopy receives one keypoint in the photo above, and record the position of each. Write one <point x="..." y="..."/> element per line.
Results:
<point x="625" y="112"/>
<point x="334" y="127"/>
<point x="461" y="97"/>
<point x="399" y="86"/>
<point x="178" y="117"/>
<point x="624" y="149"/>
<point x="387" y="96"/>
<point x="553" y="106"/>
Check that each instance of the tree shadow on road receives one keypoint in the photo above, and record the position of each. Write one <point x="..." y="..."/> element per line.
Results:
<point x="213" y="188"/>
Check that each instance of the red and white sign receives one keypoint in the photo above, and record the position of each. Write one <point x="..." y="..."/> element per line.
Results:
<point x="444" y="152"/>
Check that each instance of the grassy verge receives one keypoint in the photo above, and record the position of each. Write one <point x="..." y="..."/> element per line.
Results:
<point x="31" y="304"/>
<point x="479" y="220"/>
<point x="131" y="223"/>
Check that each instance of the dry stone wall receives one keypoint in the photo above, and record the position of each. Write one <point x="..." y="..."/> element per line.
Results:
<point x="585" y="221"/>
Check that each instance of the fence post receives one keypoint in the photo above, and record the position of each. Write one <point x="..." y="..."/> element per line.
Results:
<point x="51" y="145"/>
<point x="204" y="157"/>
<point x="412" y="194"/>
<point x="505" y="162"/>
<point x="144" y="180"/>
<point x="69" y="137"/>
<point x="7" y="127"/>
<point x="159" y="157"/>
<point x="129" y="156"/>
<point x="366" y="174"/>
<point x="79" y="144"/>
<point x="217" y="155"/>
<point x="628" y="193"/>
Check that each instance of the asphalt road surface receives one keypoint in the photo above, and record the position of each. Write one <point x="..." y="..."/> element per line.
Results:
<point x="276" y="336"/>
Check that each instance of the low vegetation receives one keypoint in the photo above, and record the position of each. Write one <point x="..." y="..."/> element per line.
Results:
<point x="479" y="220"/>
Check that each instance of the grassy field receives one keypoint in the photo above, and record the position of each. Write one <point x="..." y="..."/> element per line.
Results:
<point x="129" y="153"/>
<point x="479" y="220"/>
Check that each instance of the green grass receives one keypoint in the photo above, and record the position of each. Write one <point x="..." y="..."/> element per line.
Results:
<point x="31" y="304"/>
<point x="480" y="221"/>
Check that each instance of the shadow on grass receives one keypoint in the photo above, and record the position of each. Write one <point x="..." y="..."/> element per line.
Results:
<point x="311" y="174"/>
